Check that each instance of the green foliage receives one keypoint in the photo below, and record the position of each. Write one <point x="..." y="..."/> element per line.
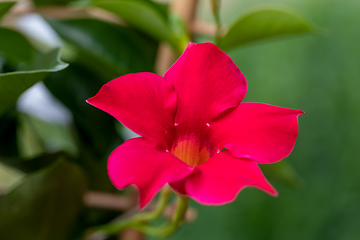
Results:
<point x="282" y="172"/>
<point x="33" y="164"/>
<point x="125" y="51"/>
<point x="318" y="192"/>
<point x="52" y="2"/>
<point x="263" y="23"/>
<point x="12" y="84"/>
<point x="5" y="6"/>
<point x="14" y="46"/>
<point x="8" y="133"/>
<point x="72" y="87"/>
<point x="143" y="15"/>
<point x="45" y="205"/>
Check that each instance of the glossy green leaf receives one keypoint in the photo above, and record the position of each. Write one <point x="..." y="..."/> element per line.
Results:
<point x="124" y="51"/>
<point x="263" y="23"/>
<point x="142" y="15"/>
<point x="12" y="84"/>
<point x="45" y="205"/>
<point x="5" y="7"/>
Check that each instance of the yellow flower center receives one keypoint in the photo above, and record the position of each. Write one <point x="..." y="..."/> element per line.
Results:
<point x="191" y="151"/>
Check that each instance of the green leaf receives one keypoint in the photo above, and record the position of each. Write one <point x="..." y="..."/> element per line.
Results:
<point x="123" y="52"/>
<point x="5" y="7"/>
<point x="95" y="131"/>
<point x="180" y="32"/>
<point x="29" y="165"/>
<point x="13" y="84"/>
<point x="8" y="133"/>
<point x="263" y="23"/>
<point x="45" y="205"/>
<point x="282" y="172"/>
<point x="51" y="2"/>
<point x="142" y="15"/>
<point x="15" y="46"/>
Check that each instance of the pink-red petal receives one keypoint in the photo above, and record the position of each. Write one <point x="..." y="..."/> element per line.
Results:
<point x="207" y="83"/>
<point x="221" y="178"/>
<point x="144" y="102"/>
<point x="257" y="131"/>
<point x="145" y="164"/>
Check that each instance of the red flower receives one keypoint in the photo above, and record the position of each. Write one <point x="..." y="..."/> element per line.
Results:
<point x="186" y="119"/>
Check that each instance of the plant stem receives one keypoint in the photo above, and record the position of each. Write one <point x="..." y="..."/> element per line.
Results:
<point x="139" y="222"/>
<point x="178" y="217"/>
<point x="139" y="218"/>
<point x="172" y="225"/>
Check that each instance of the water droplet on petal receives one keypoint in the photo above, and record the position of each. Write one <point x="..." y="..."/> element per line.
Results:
<point x="208" y="124"/>
<point x="175" y="124"/>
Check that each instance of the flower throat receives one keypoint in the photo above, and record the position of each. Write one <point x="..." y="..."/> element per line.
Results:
<point x="191" y="150"/>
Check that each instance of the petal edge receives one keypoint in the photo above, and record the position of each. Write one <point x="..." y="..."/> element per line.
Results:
<point x="217" y="88"/>
<point x="144" y="102"/>
<point x="144" y="164"/>
<point x="258" y="131"/>
<point x="222" y="178"/>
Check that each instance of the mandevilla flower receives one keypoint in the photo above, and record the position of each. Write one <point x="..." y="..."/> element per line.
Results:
<point x="197" y="136"/>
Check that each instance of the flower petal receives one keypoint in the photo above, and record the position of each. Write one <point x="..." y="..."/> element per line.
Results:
<point x="221" y="178"/>
<point x="257" y="131"/>
<point x="143" y="163"/>
<point x="207" y="83"/>
<point x="144" y="102"/>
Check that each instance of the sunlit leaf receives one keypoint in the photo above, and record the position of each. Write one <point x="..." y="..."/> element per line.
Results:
<point x="180" y="32"/>
<point x="142" y="15"/>
<point x="45" y="205"/>
<point x="5" y="6"/>
<point x="263" y="23"/>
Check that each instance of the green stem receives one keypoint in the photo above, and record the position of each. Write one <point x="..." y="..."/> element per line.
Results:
<point x="179" y="216"/>
<point x="138" y="222"/>
<point x="172" y="225"/>
<point x="139" y="218"/>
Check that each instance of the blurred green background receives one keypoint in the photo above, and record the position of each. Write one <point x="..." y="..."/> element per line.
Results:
<point x="318" y="74"/>
<point x="318" y="184"/>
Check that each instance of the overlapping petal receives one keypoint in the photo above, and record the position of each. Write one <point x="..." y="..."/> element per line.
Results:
<point x="221" y="178"/>
<point x="193" y="94"/>
<point x="144" y="102"/>
<point x="257" y="131"/>
<point x="207" y="83"/>
<point x="143" y="163"/>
